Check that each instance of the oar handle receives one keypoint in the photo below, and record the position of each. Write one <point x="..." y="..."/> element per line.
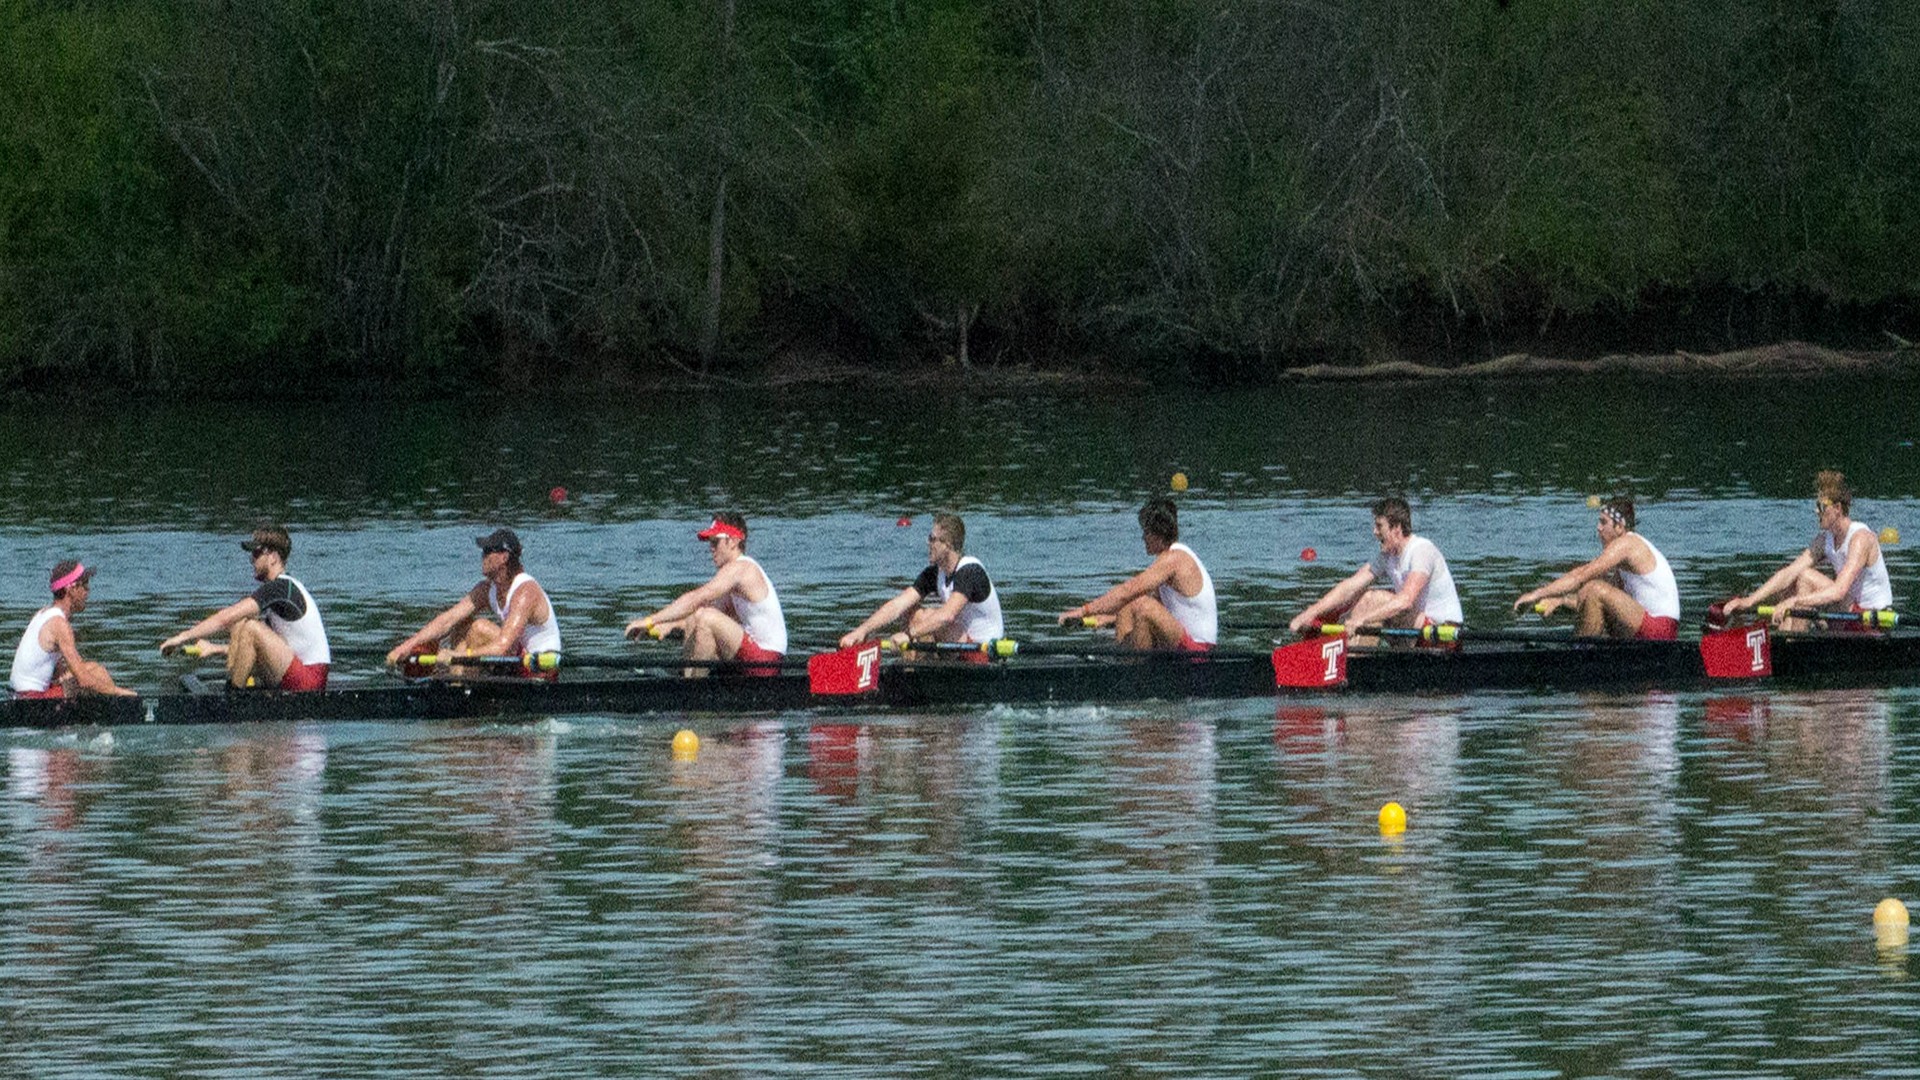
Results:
<point x="1000" y="647"/>
<point x="1877" y="618"/>
<point x="1443" y="632"/>
<point x="541" y="661"/>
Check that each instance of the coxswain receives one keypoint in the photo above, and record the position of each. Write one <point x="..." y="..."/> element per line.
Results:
<point x="274" y="635"/>
<point x="965" y="609"/>
<point x="1628" y="591"/>
<point x="1170" y="604"/>
<point x="734" y="617"/>
<point x="1850" y="549"/>
<point x="1418" y="589"/>
<point x="523" y="624"/>
<point x="48" y="663"/>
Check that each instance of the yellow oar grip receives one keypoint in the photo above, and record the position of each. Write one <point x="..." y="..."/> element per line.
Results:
<point x="193" y="650"/>
<point x="1091" y="622"/>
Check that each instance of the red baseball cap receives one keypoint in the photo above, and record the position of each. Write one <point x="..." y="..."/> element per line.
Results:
<point x="721" y="528"/>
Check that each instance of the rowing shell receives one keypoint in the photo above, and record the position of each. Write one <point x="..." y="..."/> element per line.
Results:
<point x="1605" y="666"/>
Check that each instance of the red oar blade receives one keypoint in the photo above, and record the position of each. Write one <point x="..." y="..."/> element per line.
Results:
<point x="852" y="670"/>
<point x="1738" y="652"/>
<point x="1315" y="663"/>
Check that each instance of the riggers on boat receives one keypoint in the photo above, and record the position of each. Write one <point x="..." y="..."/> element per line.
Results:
<point x="1063" y="676"/>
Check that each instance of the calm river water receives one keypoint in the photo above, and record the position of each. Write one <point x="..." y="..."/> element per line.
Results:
<point x="1624" y="885"/>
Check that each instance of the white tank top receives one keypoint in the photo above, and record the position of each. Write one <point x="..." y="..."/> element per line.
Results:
<point x="537" y="637"/>
<point x="977" y="621"/>
<point x="1871" y="590"/>
<point x="762" y="621"/>
<point x="33" y="666"/>
<point x="1657" y="592"/>
<point x="1199" y="614"/>
<point x="306" y="635"/>
<point x="1440" y="603"/>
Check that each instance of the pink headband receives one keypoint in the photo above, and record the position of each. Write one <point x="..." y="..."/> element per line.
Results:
<point x="68" y="578"/>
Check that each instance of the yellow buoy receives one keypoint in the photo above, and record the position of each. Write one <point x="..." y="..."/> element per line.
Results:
<point x="1889" y="535"/>
<point x="1890" y="914"/>
<point x="1393" y="819"/>
<point x="685" y="744"/>
<point x="1593" y="502"/>
<point x="1179" y="481"/>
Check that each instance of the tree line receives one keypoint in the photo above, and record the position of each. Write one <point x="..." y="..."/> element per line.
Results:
<point x="196" y="191"/>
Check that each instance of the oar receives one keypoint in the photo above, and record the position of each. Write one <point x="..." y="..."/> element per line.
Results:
<point x="1876" y="619"/>
<point x="552" y="661"/>
<point x="1448" y="633"/>
<point x="1000" y="647"/>
<point x="1003" y="648"/>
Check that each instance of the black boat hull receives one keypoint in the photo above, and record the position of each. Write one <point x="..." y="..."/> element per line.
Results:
<point x="1614" y="666"/>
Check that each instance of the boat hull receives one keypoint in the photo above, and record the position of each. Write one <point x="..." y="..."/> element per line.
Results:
<point x="1613" y="666"/>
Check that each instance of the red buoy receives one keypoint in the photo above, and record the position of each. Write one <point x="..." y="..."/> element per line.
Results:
<point x="558" y="495"/>
<point x="1308" y="554"/>
<point x="904" y="522"/>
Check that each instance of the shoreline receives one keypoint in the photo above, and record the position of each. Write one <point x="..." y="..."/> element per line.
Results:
<point x="800" y="372"/>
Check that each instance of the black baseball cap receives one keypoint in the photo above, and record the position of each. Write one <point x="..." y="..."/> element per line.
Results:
<point x="269" y="538"/>
<point x="499" y="540"/>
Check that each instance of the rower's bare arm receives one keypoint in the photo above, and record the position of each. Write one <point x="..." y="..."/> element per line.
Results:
<point x="883" y="616"/>
<point x="1157" y="573"/>
<point x="1611" y="558"/>
<point x="521" y="611"/>
<point x="1338" y="598"/>
<point x="92" y="677"/>
<point x="1402" y="601"/>
<point x="245" y="608"/>
<point x="928" y="621"/>
<point x="689" y="602"/>
<point x="1781" y="580"/>
<point x="1859" y="556"/>
<point x="437" y="627"/>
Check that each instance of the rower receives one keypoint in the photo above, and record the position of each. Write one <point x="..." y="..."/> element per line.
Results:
<point x="967" y="607"/>
<point x="1627" y="592"/>
<point x="1419" y="589"/>
<point x="47" y="663"/>
<point x="274" y="635"/>
<point x="1850" y="549"/>
<point x="1170" y="604"/>
<point x="735" y="616"/>
<point x="527" y="624"/>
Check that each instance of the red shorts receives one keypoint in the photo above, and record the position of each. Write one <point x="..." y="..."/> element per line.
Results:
<point x="1658" y="628"/>
<point x="304" y="677"/>
<point x="754" y="660"/>
<point x="1187" y="644"/>
<point x="57" y="690"/>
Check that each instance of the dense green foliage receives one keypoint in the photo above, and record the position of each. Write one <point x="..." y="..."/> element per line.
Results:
<point x="192" y="190"/>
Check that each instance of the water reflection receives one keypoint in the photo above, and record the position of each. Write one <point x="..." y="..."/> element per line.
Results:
<point x="1197" y="888"/>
